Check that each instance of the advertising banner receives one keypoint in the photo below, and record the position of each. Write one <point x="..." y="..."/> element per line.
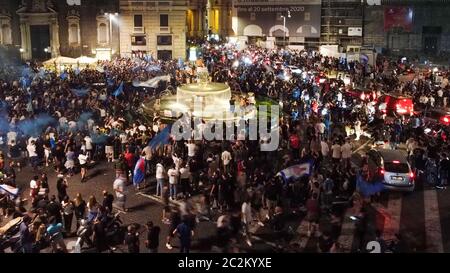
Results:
<point x="401" y="17"/>
<point x="278" y="18"/>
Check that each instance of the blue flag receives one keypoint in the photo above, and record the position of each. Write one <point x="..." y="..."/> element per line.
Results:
<point x="161" y="138"/>
<point x="80" y="92"/>
<point x="63" y="76"/>
<point x="368" y="189"/>
<point x="119" y="90"/>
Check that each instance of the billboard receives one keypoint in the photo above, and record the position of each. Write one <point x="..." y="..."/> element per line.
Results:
<point x="275" y="18"/>
<point x="398" y="17"/>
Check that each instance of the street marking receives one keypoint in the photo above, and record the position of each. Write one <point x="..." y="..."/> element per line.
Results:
<point x="345" y="240"/>
<point x="432" y="223"/>
<point x="391" y="215"/>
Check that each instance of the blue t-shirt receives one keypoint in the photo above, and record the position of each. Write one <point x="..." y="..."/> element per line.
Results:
<point x="185" y="233"/>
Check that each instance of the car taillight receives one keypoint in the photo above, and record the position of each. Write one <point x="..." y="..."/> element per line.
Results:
<point x="411" y="175"/>
<point x="446" y="119"/>
<point x="381" y="171"/>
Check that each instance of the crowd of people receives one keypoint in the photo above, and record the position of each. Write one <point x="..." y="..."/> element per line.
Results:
<point x="75" y="118"/>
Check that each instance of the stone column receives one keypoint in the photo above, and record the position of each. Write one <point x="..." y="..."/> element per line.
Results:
<point x="54" y="37"/>
<point x="25" y="38"/>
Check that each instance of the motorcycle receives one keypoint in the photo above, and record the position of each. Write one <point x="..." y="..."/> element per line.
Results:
<point x="114" y="231"/>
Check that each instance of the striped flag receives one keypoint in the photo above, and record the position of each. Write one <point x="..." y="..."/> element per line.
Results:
<point x="296" y="171"/>
<point x="139" y="172"/>
<point x="12" y="191"/>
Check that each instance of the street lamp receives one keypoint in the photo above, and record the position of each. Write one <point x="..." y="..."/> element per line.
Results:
<point x="110" y="16"/>
<point x="284" y="25"/>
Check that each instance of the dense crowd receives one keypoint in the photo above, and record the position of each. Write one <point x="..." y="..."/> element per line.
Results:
<point x="72" y="119"/>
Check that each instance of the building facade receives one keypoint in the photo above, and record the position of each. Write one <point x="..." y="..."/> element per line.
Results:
<point x="284" y="22"/>
<point x="342" y="23"/>
<point x="157" y="28"/>
<point x="408" y="27"/>
<point x="41" y="29"/>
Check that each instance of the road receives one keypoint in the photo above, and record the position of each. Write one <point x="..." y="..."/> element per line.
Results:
<point x="422" y="217"/>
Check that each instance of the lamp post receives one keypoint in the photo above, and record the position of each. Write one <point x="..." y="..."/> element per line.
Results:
<point x="110" y="16"/>
<point x="284" y="25"/>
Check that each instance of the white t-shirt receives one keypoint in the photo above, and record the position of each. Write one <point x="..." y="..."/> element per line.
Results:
<point x="82" y="159"/>
<point x="226" y="157"/>
<point x="119" y="184"/>
<point x="123" y="138"/>
<point x="33" y="184"/>
<point x="11" y="136"/>
<point x="346" y="150"/>
<point x="31" y="150"/>
<point x="185" y="173"/>
<point x="336" y="150"/>
<point x="246" y="210"/>
<point x="159" y="171"/>
<point x="88" y="142"/>
<point x="191" y="149"/>
<point x="173" y="176"/>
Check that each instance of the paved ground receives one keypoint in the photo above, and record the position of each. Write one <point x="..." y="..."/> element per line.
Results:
<point x="422" y="216"/>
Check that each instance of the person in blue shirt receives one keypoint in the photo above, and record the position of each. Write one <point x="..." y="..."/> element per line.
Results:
<point x="185" y="234"/>
<point x="54" y="230"/>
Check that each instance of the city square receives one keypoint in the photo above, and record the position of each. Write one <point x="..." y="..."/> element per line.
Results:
<point x="240" y="126"/>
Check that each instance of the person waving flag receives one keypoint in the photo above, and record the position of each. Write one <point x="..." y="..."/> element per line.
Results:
<point x="139" y="172"/>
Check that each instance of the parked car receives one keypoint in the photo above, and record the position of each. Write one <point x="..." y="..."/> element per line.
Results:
<point x="393" y="168"/>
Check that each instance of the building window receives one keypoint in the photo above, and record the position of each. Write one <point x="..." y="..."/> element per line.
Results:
<point x="138" y="20"/>
<point x="307" y="16"/>
<point x="163" y="20"/>
<point x="138" y="40"/>
<point x="164" y="40"/>
<point x="74" y="34"/>
<point x="5" y="37"/>
<point x="102" y="33"/>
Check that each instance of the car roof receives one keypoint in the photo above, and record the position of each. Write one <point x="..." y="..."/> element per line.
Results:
<point x="445" y="111"/>
<point x="391" y="155"/>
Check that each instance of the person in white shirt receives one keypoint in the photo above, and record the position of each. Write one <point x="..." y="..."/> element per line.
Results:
<point x="123" y="140"/>
<point x="89" y="147"/>
<point x="320" y="129"/>
<point x="160" y="177"/>
<point x="174" y="175"/>
<point x="247" y="218"/>
<point x="336" y="153"/>
<point x="191" y="149"/>
<point x="82" y="159"/>
<point x="32" y="155"/>
<point x="11" y="137"/>
<point x="121" y="193"/>
<point x="176" y="161"/>
<point x="226" y="159"/>
<point x="324" y="148"/>
<point x="346" y="151"/>
<point x="34" y="187"/>
<point x="185" y="180"/>
<point x="357" y="129"/>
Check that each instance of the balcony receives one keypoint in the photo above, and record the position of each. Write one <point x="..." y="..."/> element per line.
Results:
<point x="138" y="30"/>
<point x="164" y="29"/>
